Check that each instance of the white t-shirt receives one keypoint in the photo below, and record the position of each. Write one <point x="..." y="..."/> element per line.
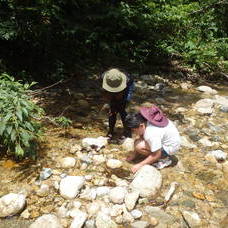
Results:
<point x="167" y="137"/>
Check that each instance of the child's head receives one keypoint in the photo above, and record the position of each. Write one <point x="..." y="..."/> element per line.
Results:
<point x="136" y="122"/>
<point x="114" y="81"/>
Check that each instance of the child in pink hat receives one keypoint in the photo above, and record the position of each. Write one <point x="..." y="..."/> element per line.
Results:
<point x="158" y="137"/>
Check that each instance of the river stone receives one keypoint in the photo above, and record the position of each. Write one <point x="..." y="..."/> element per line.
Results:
<point x="68" y="162"/>
<point x="46" y="221"/>
<point x="117" y="210"/>
<point x="102" y="191"/>
<point x="131" y="199"/>
<point x="43" y="190"/>
<point x="96" y="143"/>
<point x="104" y="221"/>
<point x="206" y="89"/>
<point x="117" y="194"/>
<point x="79" y="219"/>
<point x="70" y="186"/>
<point x="140" y="224"/>
<point x="11" y="204"/>
<point x="185" y="142"/>
<point x="93" y="208"/>
<point x="224" y="109"/>
<point x="204" y="106"/>
<point x="147" y="181"/>
<point x="90" y="224"/>
<point x="114" y="163"/>
<point x="221" y="100"/>
<point x="160" y="215"/>
<point x="218" y="154"/>
<point x="192" y="218"/>
<point x="136" y="214"/>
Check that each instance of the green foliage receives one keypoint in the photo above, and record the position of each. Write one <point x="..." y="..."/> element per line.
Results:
<point x="18" y="128"/>
<point x="62" y="121"/>
<point x="58" y="35"/>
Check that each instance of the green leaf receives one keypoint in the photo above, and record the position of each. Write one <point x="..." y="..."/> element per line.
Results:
<point x="2" y="127"/>
<point x="25" y="112"/>
<point x="13" y="135"/>
<point x="19" y="114"/>
<point x="19" y="151"/>
<point x="9" y="129"/>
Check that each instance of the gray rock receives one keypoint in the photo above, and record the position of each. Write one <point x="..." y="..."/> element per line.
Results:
<point x="204" y="106"/>
<point x="224" y="109"/>
<point x="192" y="218"/>
<point x="45" y="174"/>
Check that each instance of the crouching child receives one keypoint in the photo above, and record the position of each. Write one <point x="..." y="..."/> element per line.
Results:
<point x="158" y="137"/>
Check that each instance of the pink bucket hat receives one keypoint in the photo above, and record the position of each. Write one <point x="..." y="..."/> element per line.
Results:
<point x="154" y="115"/>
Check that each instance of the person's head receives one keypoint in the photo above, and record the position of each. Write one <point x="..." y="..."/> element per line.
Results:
<point x="136" y="122"/>
<point x="114" y="81"/>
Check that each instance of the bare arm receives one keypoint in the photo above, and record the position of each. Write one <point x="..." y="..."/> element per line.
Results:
<point x="153" y="157"/>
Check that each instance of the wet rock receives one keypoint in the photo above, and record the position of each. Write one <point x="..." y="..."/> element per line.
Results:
<point x="224" y="109"/>
<point x="140" y="224"/>
<point x="95" y="143"/>
<point x="160" y="215"/>
<point x="147" y="181"/>
<point x="192" y="218"/>
<point x="46" y="221"/>
<point x="114" y="163"/>
<point x="186" y="143"/>
<point x="159" y="86"/>
<point x="68" y="162"/>
<point x="11" y="204"/>
<point x="206" y="89"/>
<point x="79" y="219"/>
<point x="131" y="199"/>
<point x="104" y="221"/>
<point x="45" y="174"/>
<point x="204" y="106"/>
<point x="117" y="194"/>
<point x="70" y="186"/>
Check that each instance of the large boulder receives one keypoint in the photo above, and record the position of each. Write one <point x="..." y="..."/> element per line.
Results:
<point x="147" y="181"/>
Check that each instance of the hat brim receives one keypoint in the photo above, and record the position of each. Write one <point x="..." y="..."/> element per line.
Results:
<point x="145" y="112"/>
<point x="120" y="88"/>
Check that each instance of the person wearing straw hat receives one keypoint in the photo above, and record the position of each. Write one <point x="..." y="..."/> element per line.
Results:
<point x="118" y="87"/>
<point x="158" y="137"/>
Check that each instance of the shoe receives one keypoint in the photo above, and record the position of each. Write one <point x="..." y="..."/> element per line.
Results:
<point x="162" y="163"/>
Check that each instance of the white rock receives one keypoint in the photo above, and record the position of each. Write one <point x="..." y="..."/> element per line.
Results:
<point x="205" y="142"/>
<point x="98" y="159"/>
<point x="11" y="204"/>
<point x="70" y="186"/>
<point x="104" y="221"/>
<point x="103" y="190"/>
<point x="46" y="221"/>
<point x="96" y="143"/>
<point x="79" y="219"/>
<point x="117" y="210"/>
<point x="75" y="148"/>
<point x="117" y="194"/>
<point x="136" y="214"/>
<point x="127" y="217"/>
<point x="221" y="100"/>
<point x="89" y="194"/>
<point x="25" y="214"/>
<point x="128" y="144"/>
<point x="90" y="224"/>
<point x="44" y="190"/>
<point x="206" y="89"/>
<point x="131" y="199"/>
<point x="204" y="106"/>
<point x="68" y="162"/>
<point x="62" y="212"/>
<point x="93" y="208"/>
<point x="147" y="181"/>
<point x="114" y="163"/>
<point x="192" y="218"/>
<point x="218" y="154"/>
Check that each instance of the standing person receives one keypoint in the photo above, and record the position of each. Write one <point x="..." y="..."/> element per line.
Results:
<point x="118" y="87"/>
<point x="158" y="137"/>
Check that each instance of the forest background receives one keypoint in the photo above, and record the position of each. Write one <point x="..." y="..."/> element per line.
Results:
<point x="46" y="41"/>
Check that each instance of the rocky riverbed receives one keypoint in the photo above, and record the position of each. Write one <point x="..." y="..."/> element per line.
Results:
<point x="76" y="184"/>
